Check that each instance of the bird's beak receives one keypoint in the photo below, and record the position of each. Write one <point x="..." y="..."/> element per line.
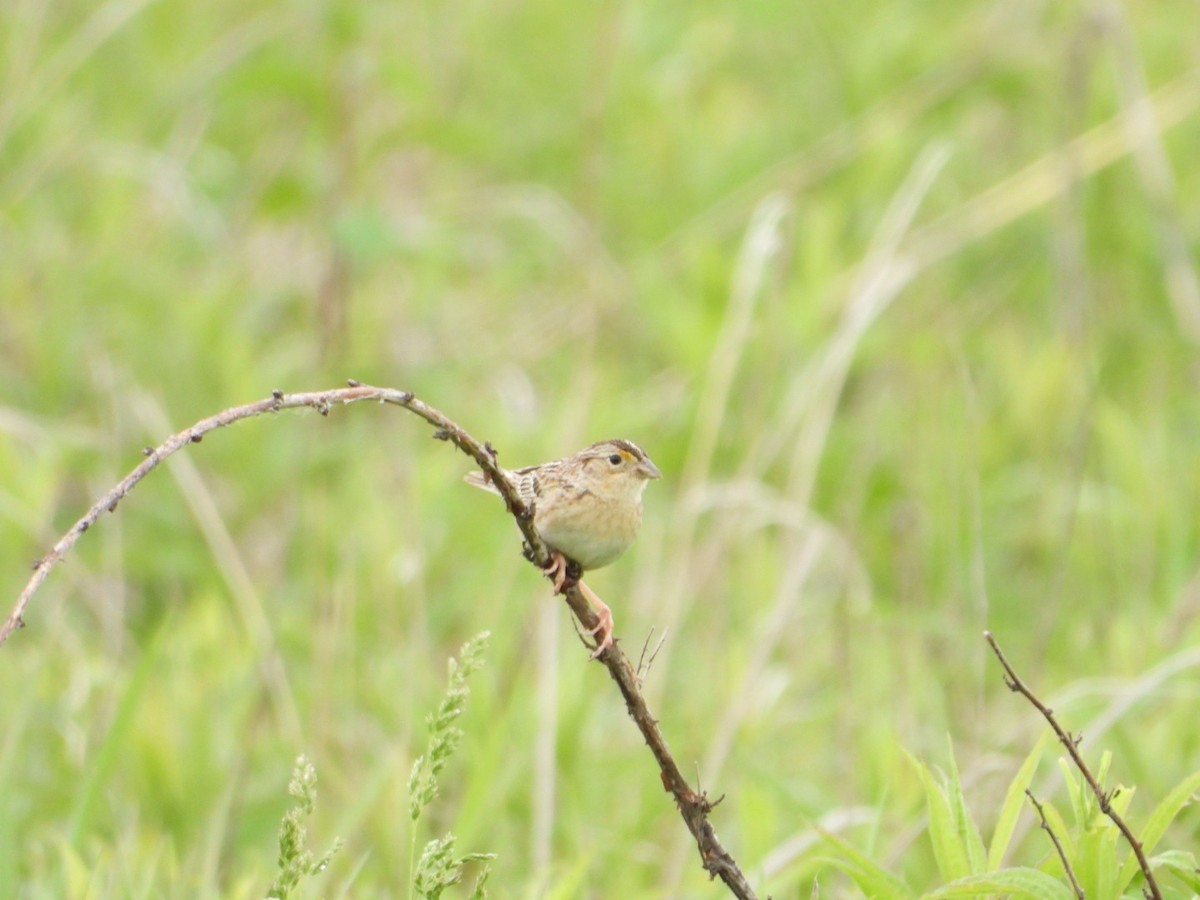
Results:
<point x="648" y="470"/>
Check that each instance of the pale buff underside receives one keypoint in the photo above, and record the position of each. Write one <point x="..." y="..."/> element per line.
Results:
<point x="591" y="525"/>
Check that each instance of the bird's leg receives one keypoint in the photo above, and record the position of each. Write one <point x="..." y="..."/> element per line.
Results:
<point x="566" y="574"/>
<point x="604" y="628"/>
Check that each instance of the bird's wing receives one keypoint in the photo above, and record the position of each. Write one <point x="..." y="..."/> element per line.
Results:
<point x="525" y="481"/>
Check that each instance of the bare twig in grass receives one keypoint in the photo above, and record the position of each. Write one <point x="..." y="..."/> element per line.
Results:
<point x="694" y="806"/>
<point x="321" y="401"/>
<point x="1071" y="743"/>
<point x="1058" y="847"/>
<point x="644" y="662"/>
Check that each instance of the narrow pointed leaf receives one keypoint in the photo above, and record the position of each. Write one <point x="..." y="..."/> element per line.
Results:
<point x="1164" y="814"/>
<point x="1014" y="802"/>
<point x="1021" y="882"/>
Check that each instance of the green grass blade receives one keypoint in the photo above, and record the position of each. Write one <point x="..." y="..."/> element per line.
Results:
<point x="1182" y="865"/>
<point x="1021" y="882"/>
<point x="949" y="846"/>
<point x="1075" y="791"/>
<point x="1156" y="826"/>
<point x="106" y="758"/>
<point x="966" y="830"/>
<point x="871" y="878"/>
<point x="1014" y="802"/>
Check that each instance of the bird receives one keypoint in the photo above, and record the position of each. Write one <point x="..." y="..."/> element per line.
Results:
<point x="588" y="510"/>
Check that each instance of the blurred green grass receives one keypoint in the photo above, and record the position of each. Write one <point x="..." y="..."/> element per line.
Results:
<point x="535" y="215"/>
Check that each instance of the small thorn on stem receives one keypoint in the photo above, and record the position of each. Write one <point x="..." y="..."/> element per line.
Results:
<point x="353" y="382"/>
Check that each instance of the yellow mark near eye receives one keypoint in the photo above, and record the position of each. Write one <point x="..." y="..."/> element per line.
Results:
<point x="620" y="455"/>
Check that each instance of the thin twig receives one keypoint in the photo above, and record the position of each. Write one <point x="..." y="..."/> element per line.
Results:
<point x="1062" y="855"/>
<point x="693" y="807"/>
<point x="644" y="662"/>
<point x="1071" y="743"/>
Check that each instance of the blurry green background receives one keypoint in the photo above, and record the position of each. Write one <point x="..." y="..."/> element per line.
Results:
<point x="901" y="297"/>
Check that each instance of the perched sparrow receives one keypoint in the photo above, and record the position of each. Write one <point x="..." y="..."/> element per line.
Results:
<point x="587" y="508"/>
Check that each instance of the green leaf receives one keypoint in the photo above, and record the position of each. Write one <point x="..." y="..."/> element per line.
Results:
<point x="1014" y="802"/>
<point x="1076" y="791"/>
<point x="1156" y="826"/>
<point x="1059" y="826"/>
<point x="1020" y="882"/>
<point x="1182" y="865"/>
<point x="965" y="827"/>
<point x="1106" y="759"/>
<point x="872" y="879"/>
<point x="1095" y="860"/>
<point x="956" y="843"/>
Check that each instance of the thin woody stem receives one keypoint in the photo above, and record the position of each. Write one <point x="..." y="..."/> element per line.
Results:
<point x="1058" y="847"/>
<point x="1071" y="744"/>
<point x="693" y="807"/>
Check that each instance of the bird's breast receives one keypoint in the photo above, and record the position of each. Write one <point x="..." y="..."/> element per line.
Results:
<point x="588" y="530"/>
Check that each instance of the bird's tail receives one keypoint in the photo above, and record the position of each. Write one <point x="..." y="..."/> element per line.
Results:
<point x="480" y="480"/>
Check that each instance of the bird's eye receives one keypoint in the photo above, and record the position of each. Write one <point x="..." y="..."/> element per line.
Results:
<point x="615" y="459"/>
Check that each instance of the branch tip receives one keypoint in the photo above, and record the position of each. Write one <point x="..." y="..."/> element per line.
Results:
<point x="1071" y="744"/>
<point x="1058" y="847"/>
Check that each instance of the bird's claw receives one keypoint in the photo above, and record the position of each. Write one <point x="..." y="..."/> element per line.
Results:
<point x="556" y="571"/>
<point x="565" y="574"/>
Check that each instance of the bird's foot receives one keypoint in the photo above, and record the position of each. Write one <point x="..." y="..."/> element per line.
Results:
<point x="603" y="630"/>
<point x="563" y="572"/>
